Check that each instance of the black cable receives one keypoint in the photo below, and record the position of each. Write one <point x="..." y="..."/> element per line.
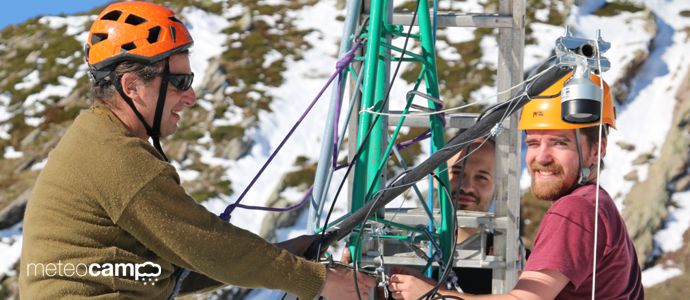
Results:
<point x="449" y="264"/>
<point x="442" y="297"/>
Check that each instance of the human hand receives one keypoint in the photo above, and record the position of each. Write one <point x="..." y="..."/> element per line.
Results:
<point x="340" y="284"/>
<point x="346" y="257"/>
<point x="408" y="271"/>
<point x="408" y="287"/>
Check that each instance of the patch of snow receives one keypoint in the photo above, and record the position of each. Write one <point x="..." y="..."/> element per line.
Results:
<point x="5" y="129"/>
<point x="457" y="35"/>
<point x="271" y="57"/>
<point x="273" y="2"/>
<point x="461" y="6"/>
<point x="81" y="71"/>
<point x="659" y="274"/>
<point x="669" y="11"/>
<point x="63" y="60"/>
<point x="489" y="47"/>
<point x="82" y="37"/>
<point x="271" y="21"/>
<point x="185" y="174"/>
<point x="206" y="156"/>
<point x="205" y="103"/>
<point x="11" y="249"/>
<point x="209" y="40"/>
<point x="233" y="115"/>
<point x="234" y="11"/>
<point x="11" y="153"/>
<point x="75" y="24"/>
<point x="33" y="121"/>
<point x="541" y="15"/>
<point x="525" y="180"/>
<point x="29" y="81"/>
<point x="5" y="100"/>
<point x="670" y="238"/>
<point x="446" y="52"/>
<point x="39" y="165"/>
<point x="62" y="90"/>
<point x="484" y="95"/>
<point x="34" y="106"/>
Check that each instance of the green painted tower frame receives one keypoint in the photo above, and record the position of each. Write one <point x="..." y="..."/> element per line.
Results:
<point x="368" y="177"/>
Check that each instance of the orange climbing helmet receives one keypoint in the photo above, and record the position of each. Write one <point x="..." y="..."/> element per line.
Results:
<point x="133" y="31"/>
<point x="544" y="111"/>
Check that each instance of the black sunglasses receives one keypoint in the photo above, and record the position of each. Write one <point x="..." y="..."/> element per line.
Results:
<point x="181" y="81"/>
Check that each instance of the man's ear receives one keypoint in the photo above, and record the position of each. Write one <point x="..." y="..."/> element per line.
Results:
<point x="594" y="148"/>
<point x="130" y="85"/>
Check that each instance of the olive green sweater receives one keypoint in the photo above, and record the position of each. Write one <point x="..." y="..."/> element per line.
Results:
<point x="106" y="197"/>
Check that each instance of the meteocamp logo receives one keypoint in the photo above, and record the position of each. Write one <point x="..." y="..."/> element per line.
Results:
<point x="146" y="272"/>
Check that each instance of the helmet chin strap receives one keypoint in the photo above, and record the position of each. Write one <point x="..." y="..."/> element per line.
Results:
<point x="584" y="171"/>
<point x="155" y="131"/>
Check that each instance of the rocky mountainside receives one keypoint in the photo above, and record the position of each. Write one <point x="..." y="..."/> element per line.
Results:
<point x="259" y="59"/>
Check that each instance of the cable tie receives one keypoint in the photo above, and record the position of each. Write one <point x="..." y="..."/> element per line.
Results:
<point x="496" y="130"/>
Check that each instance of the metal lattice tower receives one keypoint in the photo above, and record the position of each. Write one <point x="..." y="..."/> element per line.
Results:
<point x="375" y="20"/>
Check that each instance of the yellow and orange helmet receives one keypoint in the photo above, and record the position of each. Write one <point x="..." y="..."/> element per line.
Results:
<point x="544" y="111"/>
<point x="133" y="31"/>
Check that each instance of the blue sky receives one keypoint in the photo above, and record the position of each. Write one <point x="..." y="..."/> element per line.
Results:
<point x="22" y="10"/>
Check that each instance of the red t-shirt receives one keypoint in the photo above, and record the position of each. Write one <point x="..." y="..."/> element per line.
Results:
<point x="565" y="240"/>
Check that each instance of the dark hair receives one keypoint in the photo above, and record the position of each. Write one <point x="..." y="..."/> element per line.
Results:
<point x="592" y="135"/>
<point x="103" y="91"/>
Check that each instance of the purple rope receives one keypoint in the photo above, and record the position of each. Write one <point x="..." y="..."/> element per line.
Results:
<point x="349" y="56"/>
<point x="423" y="136"/>
<point x="340" y="66"/>
<point x="404" y="144"/>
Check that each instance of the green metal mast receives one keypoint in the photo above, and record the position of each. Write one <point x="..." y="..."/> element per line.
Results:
<point x="368" y="178"/>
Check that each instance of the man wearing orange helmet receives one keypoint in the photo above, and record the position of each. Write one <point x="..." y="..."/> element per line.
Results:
<point x="562" y="161"/>
<point x="108" y="205"/>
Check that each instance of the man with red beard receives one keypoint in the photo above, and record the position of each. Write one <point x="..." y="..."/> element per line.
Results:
<point x="562" y="160"/>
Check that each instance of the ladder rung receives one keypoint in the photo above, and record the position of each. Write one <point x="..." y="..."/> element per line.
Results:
<point x="459" y="120"/>
<point x="451" y="19"/>
<point x="469" y="219"/>
<point x="487" y="263"/>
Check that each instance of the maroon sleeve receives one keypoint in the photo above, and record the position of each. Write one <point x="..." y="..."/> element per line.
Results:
<point x="565" y="240"/>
